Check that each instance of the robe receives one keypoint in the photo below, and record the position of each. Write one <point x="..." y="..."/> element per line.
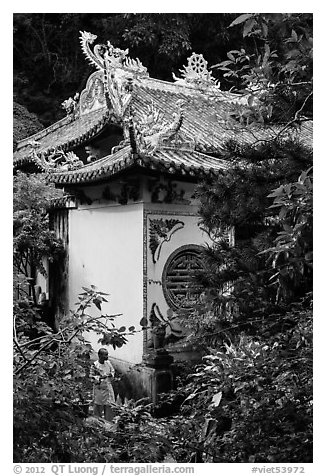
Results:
<point x="102" y="391"/>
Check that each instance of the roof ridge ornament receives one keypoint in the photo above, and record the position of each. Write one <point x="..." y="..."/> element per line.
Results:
<point x="119" y="71"/>
<point x="196" y="73"/>
<point x="104" y="56"/>
<point x="118" y="92"/>
<point x="152" y="131"/>
<point x="70" y="105"/>
<point x="57" y="161"/>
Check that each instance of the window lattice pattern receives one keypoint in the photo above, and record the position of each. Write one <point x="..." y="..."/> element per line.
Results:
<point x="179" y="287"/>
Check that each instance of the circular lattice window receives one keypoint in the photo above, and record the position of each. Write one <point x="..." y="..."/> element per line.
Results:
<point x="179" y="287"/>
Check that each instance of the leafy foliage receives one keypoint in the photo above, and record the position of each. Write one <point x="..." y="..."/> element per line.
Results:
<point x="259" y="387"/>
<point x="292" y="254"/>
<point x="52" y="390"/>
<point x="33" y="239"/>
<point x="273" y="69"/>
<point x="25" y="124"/>
<point x="266" y="268"/>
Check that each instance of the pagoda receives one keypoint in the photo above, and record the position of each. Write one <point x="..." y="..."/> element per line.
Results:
<point x="128" y="155"/>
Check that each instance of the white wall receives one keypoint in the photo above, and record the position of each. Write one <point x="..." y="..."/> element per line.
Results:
<point x="106" y="250"/>
<point x="108" y="247"/>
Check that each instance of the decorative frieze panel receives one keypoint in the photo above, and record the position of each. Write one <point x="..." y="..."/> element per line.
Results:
<point x="93" y="96"/>
<point x="167" y="192"/>
<point x="161" y="231"/>
<point x="123" y="192"/>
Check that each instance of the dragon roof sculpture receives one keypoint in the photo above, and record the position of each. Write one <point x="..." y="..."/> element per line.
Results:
<point x="119" y="71"/>
<point x="151" y="129"/>
<point x="57" y="161"/>
<point x="109" y="57"/>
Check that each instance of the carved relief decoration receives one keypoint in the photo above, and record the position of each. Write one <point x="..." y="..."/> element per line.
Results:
<point x="196" y="73"/>
<point x="93" y="96"/>
<point x="126" y="192"/>
<point x="161" y="231"/>
<point x="152" y="130"/>
<point x="166" y="192"/>
<point x="70" y="106"/>
<point x="57" y="161"/>
<point x="178" y="141"/>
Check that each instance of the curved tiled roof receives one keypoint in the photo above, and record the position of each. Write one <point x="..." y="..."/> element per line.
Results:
<point x="206" y="117"/>
<point x="204" y="120"/>
<point x="168" y="160"/>
<point x="65" y="133"/>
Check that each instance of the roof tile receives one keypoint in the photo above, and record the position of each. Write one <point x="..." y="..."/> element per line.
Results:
<point x="169" y="160"/>
<point x="204" y="120"/>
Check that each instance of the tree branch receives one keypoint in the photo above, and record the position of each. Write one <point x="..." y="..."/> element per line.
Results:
<point x="19" y="350"/>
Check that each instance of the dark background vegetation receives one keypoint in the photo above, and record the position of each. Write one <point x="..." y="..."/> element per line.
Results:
<point x="49" y="65"/>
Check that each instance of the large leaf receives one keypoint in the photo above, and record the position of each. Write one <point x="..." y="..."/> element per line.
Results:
<point x="97" y="303"/>
<point x="241" y="19"/>
<point x="248" y="26"/>
<point x="217" y="399"/>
